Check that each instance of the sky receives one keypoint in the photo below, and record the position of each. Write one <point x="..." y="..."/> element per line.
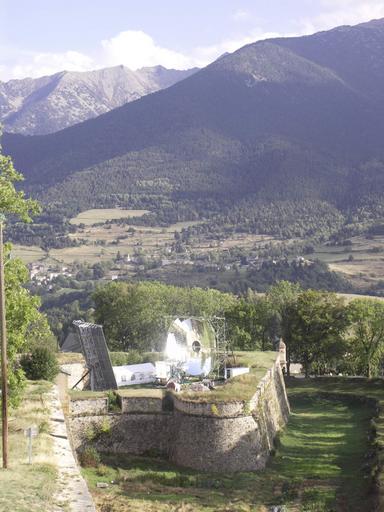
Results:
<point x="42" y="37"/>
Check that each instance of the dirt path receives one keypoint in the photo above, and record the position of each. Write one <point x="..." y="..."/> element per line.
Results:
<point x="72" y="494"/>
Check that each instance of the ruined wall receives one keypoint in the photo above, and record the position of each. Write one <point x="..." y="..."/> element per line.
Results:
<point x="227" y="436"/>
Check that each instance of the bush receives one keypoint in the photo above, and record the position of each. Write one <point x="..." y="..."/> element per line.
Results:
<point x="39" y="364"/>
<point x="89" y="458"/>
<point x="124" y="358"/>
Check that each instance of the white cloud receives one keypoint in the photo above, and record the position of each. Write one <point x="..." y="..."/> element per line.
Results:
<point x="136" y="49"/>
<point x="343" y="12"/>
<point x="41" y="64"/>
<point x="241" y="15"/>
<point x="205" y="54"/>
<point x="132" y="48"/>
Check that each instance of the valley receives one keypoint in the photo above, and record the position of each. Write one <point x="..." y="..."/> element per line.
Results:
<point x="192" y="273"/>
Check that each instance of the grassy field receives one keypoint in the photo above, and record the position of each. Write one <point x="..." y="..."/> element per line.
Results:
<point x="28" y="254"/>
<point x="94" y="216"/>
<point x="24" y="487"/>
<point x="153" y="241"/>
<point x="102" y="242"/>
<point x="320" y="464"/>
<point x="361" y="261"/>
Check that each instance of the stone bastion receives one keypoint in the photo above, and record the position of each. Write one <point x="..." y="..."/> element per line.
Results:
<point x="218" y="436"/>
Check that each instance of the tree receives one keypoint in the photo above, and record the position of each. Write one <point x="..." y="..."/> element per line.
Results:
<point x="251" y="323"/>
<point x="40" y="363"/>
<point x="367" y="334"/>
<point x="134" y="315"/>
<point x="24" y="322"/>
<point x="282" y="298"/>
<point x="11" y="200"/>
<point x="319" y="321"/>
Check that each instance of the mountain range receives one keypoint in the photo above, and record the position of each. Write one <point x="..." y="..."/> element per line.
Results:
<point x="281" y="119"/>
<point x="48" y="104"/>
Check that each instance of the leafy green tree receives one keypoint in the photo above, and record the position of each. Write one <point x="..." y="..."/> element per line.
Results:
<point x="242" y="330"/>
<point x="24" y="322"/>
<point x="367" y="335"/>
<point x="136" y="315"/>
<point x="11" y="200"/>
<point x="251" y="323"/>
<point x="282" y="298"/>
<point x="318" y="323"/>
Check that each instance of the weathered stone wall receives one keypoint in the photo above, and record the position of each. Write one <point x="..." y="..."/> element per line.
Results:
<point x="228" y="436"/>
<point x="141" y="405"/>
<point x="233" y="436"/>
<point x="88" y="406"/>
<point x="135" y="434"/>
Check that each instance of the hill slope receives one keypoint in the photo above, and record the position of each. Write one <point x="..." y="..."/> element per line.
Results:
<point x="47" y="104"/>
<point x="277" y="119"/>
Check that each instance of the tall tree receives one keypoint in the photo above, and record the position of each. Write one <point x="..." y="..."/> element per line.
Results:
<point x="282" y="298"/>
<point x="11" y="200"/>
<point x="367" y="334"/>
<point x="319" y="321"/>
<point x="134" y="315"/>
<point x="22" y="316"/>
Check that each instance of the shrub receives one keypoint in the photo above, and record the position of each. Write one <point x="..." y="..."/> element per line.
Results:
<point x="124" y="358"/>
<point x="89" y="457"/>
<point x="40" y="364"/>
<point x="102" y="470"/>
<point x="113" y="402"/>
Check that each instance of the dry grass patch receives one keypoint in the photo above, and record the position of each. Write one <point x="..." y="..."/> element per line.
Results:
<point x="28" y="254"/>
<point x="24" y="487"/>
<point x="93" y="216"/>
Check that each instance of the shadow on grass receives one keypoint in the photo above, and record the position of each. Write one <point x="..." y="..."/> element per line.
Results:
<point x="320" y="465"/>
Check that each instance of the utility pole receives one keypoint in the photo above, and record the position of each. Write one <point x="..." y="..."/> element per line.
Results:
<point x="4" y="360"/>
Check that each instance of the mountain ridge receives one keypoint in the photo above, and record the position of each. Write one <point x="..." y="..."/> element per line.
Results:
<point x="271" y="119"/>
<point x="50" y="103"/>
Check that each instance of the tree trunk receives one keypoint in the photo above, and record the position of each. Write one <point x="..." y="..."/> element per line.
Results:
<point x="288" y="357"/>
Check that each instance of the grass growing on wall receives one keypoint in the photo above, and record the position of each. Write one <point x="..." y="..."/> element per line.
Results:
<point x="242" y="387"/>
<point x="320" y="465"/>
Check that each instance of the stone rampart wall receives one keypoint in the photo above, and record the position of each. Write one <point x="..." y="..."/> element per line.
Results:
<point x="228" y="436"/>
<point x="88" y="406"/>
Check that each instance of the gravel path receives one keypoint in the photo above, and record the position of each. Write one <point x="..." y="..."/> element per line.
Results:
<point x="72" y="494"/>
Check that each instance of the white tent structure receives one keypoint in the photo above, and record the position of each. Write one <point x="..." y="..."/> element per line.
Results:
<point x="134" y="374"/>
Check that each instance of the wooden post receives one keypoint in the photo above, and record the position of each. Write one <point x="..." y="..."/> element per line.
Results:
<point x="4" y="361"/>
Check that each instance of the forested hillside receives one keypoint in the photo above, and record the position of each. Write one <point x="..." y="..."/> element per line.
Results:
<point x="279" y="137"/>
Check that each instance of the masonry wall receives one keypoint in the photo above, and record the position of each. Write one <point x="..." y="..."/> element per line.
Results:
<point x="223" y="437"/>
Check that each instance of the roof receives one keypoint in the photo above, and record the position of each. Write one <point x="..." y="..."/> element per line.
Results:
<point x="134" y="368"/>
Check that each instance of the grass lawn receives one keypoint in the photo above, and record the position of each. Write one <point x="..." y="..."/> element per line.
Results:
<point x="320" y="464"/>
<point x="24" y="487"/>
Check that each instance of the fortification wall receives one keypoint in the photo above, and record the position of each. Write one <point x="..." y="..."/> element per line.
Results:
<point x="220" y="436"/>
<point x="135" y="433"/>
<point x="232" y="436"/>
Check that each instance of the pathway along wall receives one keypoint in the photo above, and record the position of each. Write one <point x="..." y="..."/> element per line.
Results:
<point x="219" y="437"/>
